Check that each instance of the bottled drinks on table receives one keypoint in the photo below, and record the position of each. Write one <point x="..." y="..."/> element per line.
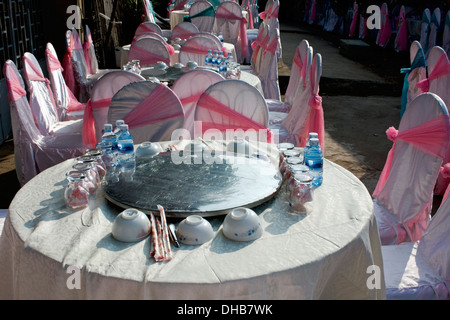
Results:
<point x="208" y="58"/>
<point x="223" y="68"/>
<point x="125" y="147"/>
<point x="314" y="160"/>
<point x="76" y="193"/>
<point x="109" y="136"/>
<point x="311" y="136"/>
<point x="220" y="58"/>
<point x="220" y="36"/>
<point x="117" y="126"/>
<point x="301" y="195"/>
<point x="214" y="59"/>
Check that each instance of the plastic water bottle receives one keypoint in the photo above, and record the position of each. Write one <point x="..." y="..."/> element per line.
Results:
<point x="311" y="136"/>
<point x="314" y="160"/>
<point x="117" y="127"/>
<point x="220" y="58"/>
<point x="223" y="68"/>
<point x="109" y="137"/>
<point x="208" y="58"/>
<point x="125" y="146"/>
<point x="220" y="36"/>
<point x="214" y="59"/>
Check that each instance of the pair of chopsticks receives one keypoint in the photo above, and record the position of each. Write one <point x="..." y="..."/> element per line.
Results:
<point x="161" y="234"/>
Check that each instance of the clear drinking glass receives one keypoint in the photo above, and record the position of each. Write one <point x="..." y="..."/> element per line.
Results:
<point x="301" y="196"/>
<point x="76" y="193"/>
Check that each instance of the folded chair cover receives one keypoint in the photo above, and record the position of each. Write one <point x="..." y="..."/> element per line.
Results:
<point x="268" y="72"/>
<point x="184" y="30"/>
<point x="434" y="29"/>
<point x="401" y="38"/>
<point x="384" y="35"/>
<point x="149" y="51"/>
<point x="438" y="82"/>
<point x="202" y="14"/>
<point x="446" y="34"/>
<point x="42" y="102"/>
<point x="145" y="27"/>
<point x="231" y="107"/>
<point x="33" y="151"/>
<point x="403" y="195"/>
<point x="196" y="48"/>
<point x="297" y="80"/>
<point x="354" y="23"/>
<point x="425" y="30"/>
<point x="416" y="73"/>
<point x="69" y="108"/>
<point x="233" y="25"/>
<point x="67" y="68"/>
<point x="79" y="67"/>
<point x="421" y="270"/>
<point x="151" y="110"/>
<point x="96" y="113"/>
<point x="189" y="87"/>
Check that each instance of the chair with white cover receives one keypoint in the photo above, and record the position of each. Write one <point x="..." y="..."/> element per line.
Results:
<point x="384" y="34"/>
<point x="68" y="106"/>
<point x="196" y="48"/>
<point x="297" y="80"/>
<point x="233" y="25"/>
<point x="438" y="82"/>
<point x="202" y="14"/>
<point x="89" y="53"/>
<point x="401" y="38"/>
<point x="184" y="30"/>
<point x="258" y="47"/>
<point x="446" y="34"/>
<point x="435" y="24"/>
<point x="268" y="72"/>
<point x="354" y="23"/>
<point x="404" y="192"/>
<point x="149" y="51"/>
<point x="420" y="270"/>
<point x="96" y="113"/>
<point x="148" y="35"/>
<point x="425" y="30"/>
<point x="189" y="88"/>
<point x="149" y="11"/>
<point x="42" y="102"/>
<point x="33" y="151"/>
<point x="146" y="27"/>
<point x="414" y="74"/>
<point x="230" y="108"/>
<point x="151" y="110"/>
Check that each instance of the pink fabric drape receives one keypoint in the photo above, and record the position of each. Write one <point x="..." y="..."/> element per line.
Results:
<point x="87" y="57"/>
<point x="402" y="43"/>
<point x="152" y="109"/>
<point x="89" y="134"/>
<point x="386" y="30"/>
<point x="190" y="99"/>
<point x="442" y="68"/>
<point x="180" y="5"/>
<point x="445" y="172"/>
<point x="261" y="44"/>
<point x="238" y="121"/>
<point x="431" y="137"/>
<point x="250" y="17"/>
<point x="53" y="62"/>
<point x="266" y="13"/>
<point x="15" y="90"/>
<point x="67" y="70"/>
<point x="313" y="11"/>
<point x="352" y="31"/>
<point x="195" y="49"/>
<point x="224" y="13"/>
<point x="145" y="57"/>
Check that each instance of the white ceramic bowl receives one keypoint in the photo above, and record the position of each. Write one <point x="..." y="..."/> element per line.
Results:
<point x="194" y="230"/>
<point x="239" y="146"/>
<point x="161" y="65"/>
<point x="131" y="225"/>
<point x="148" y="150"/>
<point x="192" y="64"/>
<point x="242" y="224"/>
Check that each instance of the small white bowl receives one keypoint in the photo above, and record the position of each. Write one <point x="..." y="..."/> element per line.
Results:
<point x="131" y="225"/>
<point x="192" y="65"/>
<point x="161" y="65"/>
<point x="194" y="230"/>
<point x="242" y="224"/>
<point x="148" y="150"/>
<point x="239" y="146"/>
<point x="178" y="65"/>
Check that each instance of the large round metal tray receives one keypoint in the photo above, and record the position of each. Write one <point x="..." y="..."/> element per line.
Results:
<point x="196" y="186"/>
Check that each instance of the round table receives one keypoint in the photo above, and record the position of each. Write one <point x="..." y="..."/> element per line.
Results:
<point x="50" y="252"/>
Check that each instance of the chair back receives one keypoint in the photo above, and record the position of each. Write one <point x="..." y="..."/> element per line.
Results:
<point x="434" y="29"/>
<point x="146" y="27"/>
<point x="89" y="52"/>
<point x="148" y="35"/>
<point x="268" y="72"/>
<point x="184" y="30"/>
<point x="42" y="102"/>
<point x="149" y="51"/>
<point x="384" y="34"/>
<point x="189" y="88"/>
<point x="202" y="14"/>
<point x="151" y="110"/>
<point x="196" y="48"/>
<point x="425" y="30"/>
<point x="401" y="38"/>
<point x="298" y="73"/>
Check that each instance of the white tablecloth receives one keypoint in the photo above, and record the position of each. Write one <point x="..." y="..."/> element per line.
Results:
<point x="324" y="255"/>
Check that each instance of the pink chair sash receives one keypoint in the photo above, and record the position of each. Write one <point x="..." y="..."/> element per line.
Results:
<point x="250" y="17"/>
<point x="354" y="21"/>
<point x="67" y="70"/>
<point x="431" y="137"/>
<point x="224" y="13"/>
<point x="402" y="44"/>
<point x="262" y="44"/>
<point x="442" y="68"/>
<point x="53" y="62"/>
<point x="313" y="11"/>
<point x="272" y="46"/>
<point x="152" y="110"/>
<point x="195" y="48"/>
<point x="15" y="90"/>
<point x="445" y="172"/>
<point x="180" y="5"/>
<point x="185" y="34"/>
<point x="238" y="121"/>
<point x="266" y="13"/>
<point x="191" y="99"/>
<point x="145" y="57"/>
<point x="87" y="57"/>
<point x="386" y="30"/>
<point x="89" y="134"/>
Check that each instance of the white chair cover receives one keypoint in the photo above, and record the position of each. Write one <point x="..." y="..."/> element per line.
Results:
<point x="149" y="51"/>
<point x="211" y="36"/>
<point x="102" y="93"/>
<point x="435" y="24"/>
<point x="151" y="110"/>
<point x="146" y="27"/>
<point x="184" y="30"/>
<point x="231" y="105"/>
<point x="148" y="35"/>
<point x="196" y="48"/>
<point x="425" y="30"/>
<point x="268" y="72"/>
<point x="421" y="270"/>
<point x="259" y="46"/>
<point x="189" y="88"/>
<point x="89" y="53"/>
<point x="33" y="151"/>
<point x="402" y="205"/>
<point x="202" y="14"/>
<point x="42" y="102"/>
<point x="69" y="108"/>
<point x="416" y="73"/>
<point x="446" y="34"/>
